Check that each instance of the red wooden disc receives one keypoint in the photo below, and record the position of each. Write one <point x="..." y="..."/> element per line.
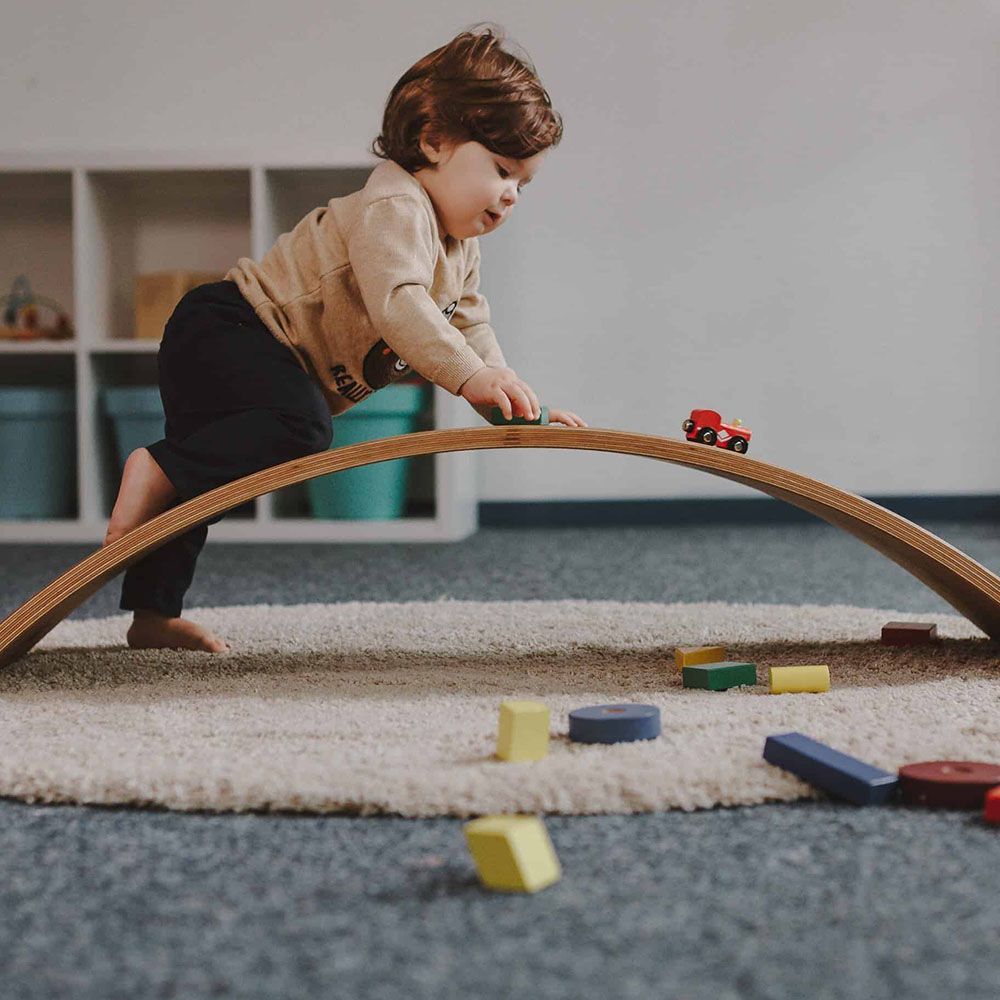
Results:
<point x="948" y="784"/>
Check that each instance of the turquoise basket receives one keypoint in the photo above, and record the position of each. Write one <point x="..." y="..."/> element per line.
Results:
<point x="136" y="413"/>
<point x="137" y="416"/>
<point x="372" y="492"/>
<point x="37" y="452"/>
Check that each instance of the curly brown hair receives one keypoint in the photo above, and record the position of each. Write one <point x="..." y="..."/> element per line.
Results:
<point x="468" y="90"/>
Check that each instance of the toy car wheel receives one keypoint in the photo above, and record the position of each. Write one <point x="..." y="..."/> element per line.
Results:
<point x="687" y="426"/>
<point x="738" y="444"/>
<point x="706" y="435"/>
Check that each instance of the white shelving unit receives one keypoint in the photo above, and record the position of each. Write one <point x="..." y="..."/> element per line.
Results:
<point x="81" y="230"/>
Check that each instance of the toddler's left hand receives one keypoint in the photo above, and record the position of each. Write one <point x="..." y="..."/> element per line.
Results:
<point x="566" y="417"/>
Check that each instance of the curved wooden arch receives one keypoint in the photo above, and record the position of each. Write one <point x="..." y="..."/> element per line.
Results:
<point x="962" y="582"/>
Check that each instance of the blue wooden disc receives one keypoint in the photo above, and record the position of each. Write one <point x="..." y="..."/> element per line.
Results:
<point x="614" y="723"/>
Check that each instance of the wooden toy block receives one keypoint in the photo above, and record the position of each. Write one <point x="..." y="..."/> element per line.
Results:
<point x="512" y="853"/>
<point x="834" y="772"/>
<point x="157" y="293"/>
<point x="524" y="731"/>
<point x="719" y="676"/>
<point x="497" y="417"/>
<point x="908" y="633"/>
<point x="798" y="680"/>
<point x="614" y="723"/>
<point x="689" y="656"/>
<point x="948" y="784"/>
<point x="991" y="811"/>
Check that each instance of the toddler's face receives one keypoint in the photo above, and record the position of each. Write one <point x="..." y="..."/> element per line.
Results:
<point x="467" y="182"/>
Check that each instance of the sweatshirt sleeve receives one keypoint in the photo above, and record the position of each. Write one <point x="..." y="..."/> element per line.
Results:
<point x="472" y="316"/>
<point x="391" y="249"/>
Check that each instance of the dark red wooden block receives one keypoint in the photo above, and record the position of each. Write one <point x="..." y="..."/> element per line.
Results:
<point x="908" y="633"/>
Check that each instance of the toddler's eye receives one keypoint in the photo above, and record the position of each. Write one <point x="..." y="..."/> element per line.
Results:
<point x="505" y="174"/>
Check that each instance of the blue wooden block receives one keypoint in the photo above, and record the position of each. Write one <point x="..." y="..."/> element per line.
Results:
<point x="614" y="723"/>
<point x="835" y="772"/>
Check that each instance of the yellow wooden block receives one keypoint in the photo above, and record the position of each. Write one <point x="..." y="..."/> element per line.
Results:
<point x="690" y="656"/>
<point x="512" y="853"/>
<point x="795" y="680"/>
<point x="524" y="731"/>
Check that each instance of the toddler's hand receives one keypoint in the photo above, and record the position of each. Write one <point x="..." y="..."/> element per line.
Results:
<point x="501" y="387"/>
<point x="566" y="417"/>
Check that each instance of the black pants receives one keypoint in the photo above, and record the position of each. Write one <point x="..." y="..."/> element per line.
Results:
<point x="236" y="401"/>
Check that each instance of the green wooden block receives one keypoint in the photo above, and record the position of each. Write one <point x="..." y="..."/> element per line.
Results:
<point x="719" y="676"/>
<point x="497" y="417"/>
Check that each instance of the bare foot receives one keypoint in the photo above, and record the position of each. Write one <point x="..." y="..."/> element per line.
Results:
<point x="144" y="492"/>
<point x="150" y="630"/>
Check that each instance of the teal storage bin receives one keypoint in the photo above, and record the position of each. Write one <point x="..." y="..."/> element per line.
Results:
<point x="373" y="492"/>
<point x="37" y="452"/>
<point x="136" y="414"/>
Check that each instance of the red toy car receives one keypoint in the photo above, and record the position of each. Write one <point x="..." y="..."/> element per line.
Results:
<point x="706" y="427"/>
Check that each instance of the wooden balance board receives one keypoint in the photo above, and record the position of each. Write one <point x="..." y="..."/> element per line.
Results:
<point x="962" y="582"/>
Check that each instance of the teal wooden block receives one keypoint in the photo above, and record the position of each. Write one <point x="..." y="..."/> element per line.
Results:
<point x="497" y="417"/>
<point x="719" y="676"/>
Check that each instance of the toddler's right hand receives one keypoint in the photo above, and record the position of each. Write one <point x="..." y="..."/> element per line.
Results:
<point x="501" y="387"/>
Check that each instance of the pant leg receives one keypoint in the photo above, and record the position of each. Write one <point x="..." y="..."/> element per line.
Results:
<point x="159" y="581"/>
<point x="236" y="445"/>
<point x="236" y="401"/>
<point x="224" y="380"/>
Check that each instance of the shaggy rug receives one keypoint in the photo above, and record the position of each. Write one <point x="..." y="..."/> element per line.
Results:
<point x="392" y="708"/>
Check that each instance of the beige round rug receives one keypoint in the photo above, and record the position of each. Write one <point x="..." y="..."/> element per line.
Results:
<point x="392" y="708"/>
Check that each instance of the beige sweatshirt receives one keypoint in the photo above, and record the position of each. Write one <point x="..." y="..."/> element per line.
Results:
<point x="369" y="286"/>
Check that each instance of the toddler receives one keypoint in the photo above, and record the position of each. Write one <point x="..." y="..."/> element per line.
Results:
<point x="362" y="290"/>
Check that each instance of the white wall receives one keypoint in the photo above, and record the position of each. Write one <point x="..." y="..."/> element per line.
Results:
<point x="783" y="209"/>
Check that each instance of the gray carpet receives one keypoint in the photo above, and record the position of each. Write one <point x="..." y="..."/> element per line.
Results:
<point x="790" y="901"/>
